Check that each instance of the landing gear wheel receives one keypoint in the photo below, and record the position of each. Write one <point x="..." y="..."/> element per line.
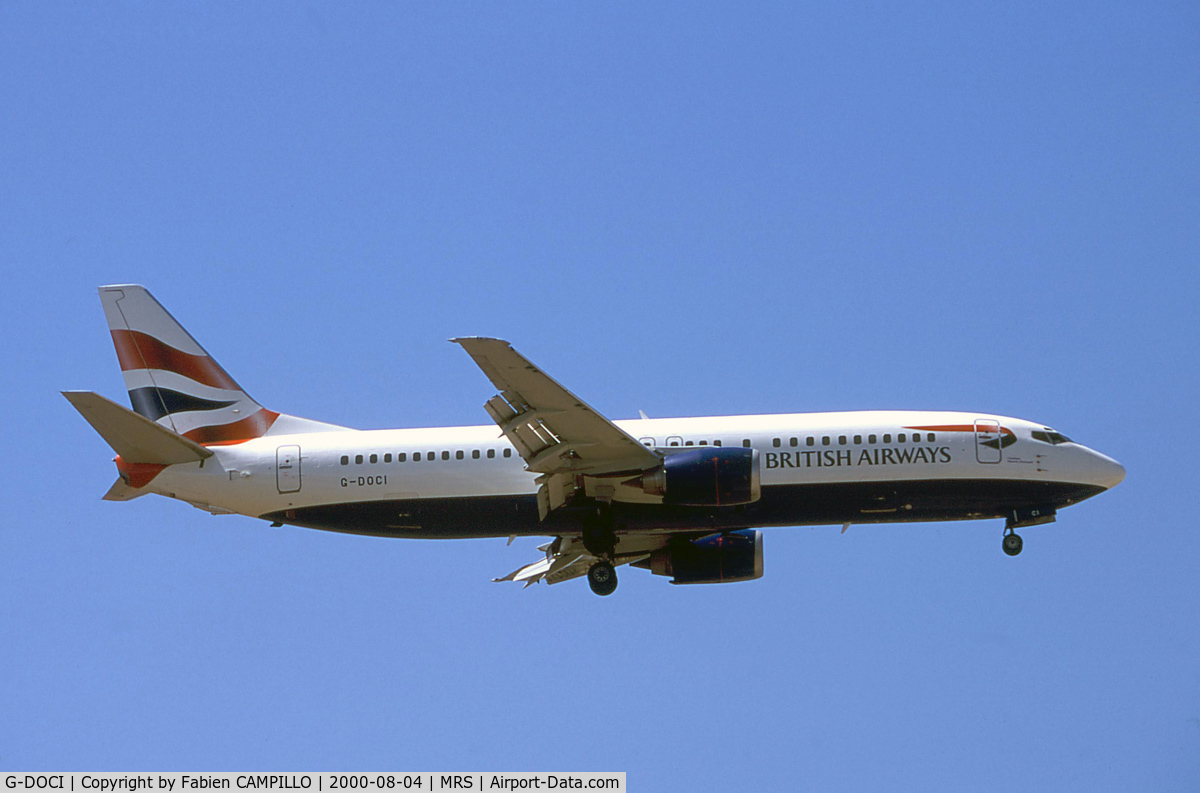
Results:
<point x="602" y="578"/>
<point x="1013" y="543"/>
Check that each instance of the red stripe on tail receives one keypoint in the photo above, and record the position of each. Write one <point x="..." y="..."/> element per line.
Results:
<point x="137" y="350"/>
<point x="249" y="428"/>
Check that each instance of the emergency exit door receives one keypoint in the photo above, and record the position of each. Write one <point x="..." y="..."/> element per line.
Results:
<point x="287" y="469"/>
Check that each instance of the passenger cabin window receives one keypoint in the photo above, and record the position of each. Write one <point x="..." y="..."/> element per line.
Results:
<point x="401" y="457"/>
<point x="491" y="453"/>
<point x="857" y="440"/>
<point x="345" y="459"/>
<point x="474" y="454"/>
<point x="387" y="458"/>
<point x="358" y="459"/>
<point x="825" y="440"/>
<point x="842" y="440"/>
<point x="872" y="438"/>
<point x="887" y="437"/>
<point x="746" y="442"/>
<point x="716" y="443"/>
<point x="900" y="438"/>
<point x="793" y="441"/>
<point x="775" y="443"/>
<point x="416" y="457"/>
<point x="810" y="441"/>
<point x="374" y="459"/>
<point x="458" y="455"/>
<point x="688" y="443"/>
<point x="508" y="452"/>
<point x="445" y="455"/>
<point x="703" y="443"/>
<point x="930" y="437"/>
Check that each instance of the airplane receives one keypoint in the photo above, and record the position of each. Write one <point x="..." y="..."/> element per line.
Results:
<point x="684" y="498"/>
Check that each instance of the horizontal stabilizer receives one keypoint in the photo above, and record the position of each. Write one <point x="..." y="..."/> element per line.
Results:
<point x="122" y="492"/>
<point x="134" y="437"/>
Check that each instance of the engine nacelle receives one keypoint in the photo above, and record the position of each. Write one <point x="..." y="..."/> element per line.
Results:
<point x="715" y="559"/>
<point x="710" y="477"/>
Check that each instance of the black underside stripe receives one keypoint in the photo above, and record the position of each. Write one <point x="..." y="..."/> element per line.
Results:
<point x="154" y="403"/>
<point x="780" y="505"/>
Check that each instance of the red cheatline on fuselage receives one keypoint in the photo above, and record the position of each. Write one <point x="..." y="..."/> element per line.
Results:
<point x="1008" y="437"/>
<point x="957" y="428"/>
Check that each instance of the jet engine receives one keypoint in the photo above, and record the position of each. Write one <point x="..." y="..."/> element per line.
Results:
<point x="715" y="559"/>
<point x="710" y="477"/>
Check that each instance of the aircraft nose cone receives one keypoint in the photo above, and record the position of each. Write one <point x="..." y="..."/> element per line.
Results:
<point x="1109" y="472"/>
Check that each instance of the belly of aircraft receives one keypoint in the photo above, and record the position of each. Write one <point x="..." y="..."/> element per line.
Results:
<point x="781" y="505"/>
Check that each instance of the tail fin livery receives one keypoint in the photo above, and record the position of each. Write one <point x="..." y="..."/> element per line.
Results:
<point x="174" y="382"/>
<point x="171" y="379"/>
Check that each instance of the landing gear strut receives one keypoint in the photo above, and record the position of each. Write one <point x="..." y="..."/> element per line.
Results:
<point x="1024" y="516"/>
<point x="600" y="539"/>
<point x="599" y="535"/>
<point x="602" y="578"/>
<point x="1012" y="542"/>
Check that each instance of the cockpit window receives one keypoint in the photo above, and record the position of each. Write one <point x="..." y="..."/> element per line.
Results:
<point x="1050" y="436"/>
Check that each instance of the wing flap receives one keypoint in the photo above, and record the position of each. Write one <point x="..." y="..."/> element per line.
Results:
<point x="566" y="558"/>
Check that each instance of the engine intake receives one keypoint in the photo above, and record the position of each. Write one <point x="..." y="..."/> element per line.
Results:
<point x="715" y="559"/>
<point x="710" y="477"/>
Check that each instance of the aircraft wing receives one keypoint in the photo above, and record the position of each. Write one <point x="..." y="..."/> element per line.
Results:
<point x="553" y="430"/>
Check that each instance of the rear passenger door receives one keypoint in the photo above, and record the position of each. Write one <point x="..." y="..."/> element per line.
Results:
<point x="287" y="469"/>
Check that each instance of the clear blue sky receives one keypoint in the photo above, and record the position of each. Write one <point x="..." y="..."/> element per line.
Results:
<point x="687" y="209"/>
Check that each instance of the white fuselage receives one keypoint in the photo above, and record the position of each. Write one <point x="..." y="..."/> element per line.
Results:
<point x="652" y="493"/>
<point x="283" y="477"/>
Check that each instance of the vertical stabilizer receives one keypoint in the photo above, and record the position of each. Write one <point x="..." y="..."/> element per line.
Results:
<point x="173" y="381"/>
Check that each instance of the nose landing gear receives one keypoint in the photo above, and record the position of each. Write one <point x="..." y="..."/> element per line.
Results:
<point x="1012" y="542"/>
<point x="1024" y="516"/>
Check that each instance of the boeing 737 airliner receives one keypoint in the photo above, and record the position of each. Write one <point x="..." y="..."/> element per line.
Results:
<point x="682" y="497"/>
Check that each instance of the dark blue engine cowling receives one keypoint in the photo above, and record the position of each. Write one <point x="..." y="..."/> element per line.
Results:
<point x="715" y="559"/>
<point x="710" y="477"/>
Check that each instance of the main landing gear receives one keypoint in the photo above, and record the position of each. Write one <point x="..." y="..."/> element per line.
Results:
<point x="602" y="578"/>
<point x="600" y="539"/>
<point x="1012" y="542"/>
